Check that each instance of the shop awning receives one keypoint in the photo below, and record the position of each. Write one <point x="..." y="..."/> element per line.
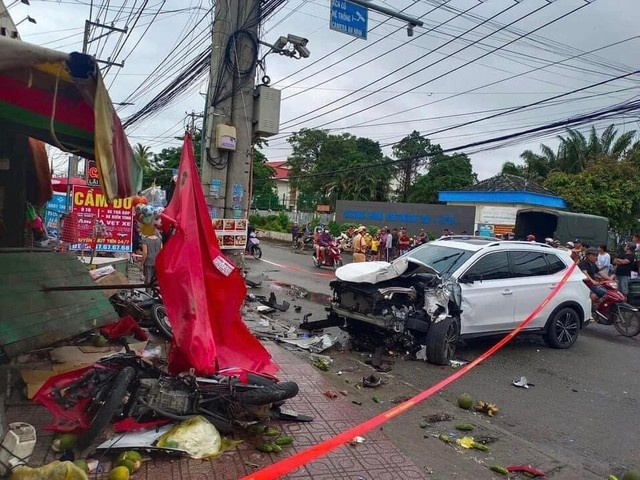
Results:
<point x="61" y="99"/>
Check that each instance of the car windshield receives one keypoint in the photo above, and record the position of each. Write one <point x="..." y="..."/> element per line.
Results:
<point x="444" y="260"/>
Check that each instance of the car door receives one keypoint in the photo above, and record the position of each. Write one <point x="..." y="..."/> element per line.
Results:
<point x="531" y="282"/>
<point x="488" y="303"/>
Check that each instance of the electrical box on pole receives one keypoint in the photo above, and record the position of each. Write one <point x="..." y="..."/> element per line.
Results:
<point x="266" y="111"/>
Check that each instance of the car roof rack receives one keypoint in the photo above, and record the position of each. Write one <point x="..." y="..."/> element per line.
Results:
<point x="518" y="242"/>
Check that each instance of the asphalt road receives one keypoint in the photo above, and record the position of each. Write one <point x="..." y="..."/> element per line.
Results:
<point x="584" y="407"/>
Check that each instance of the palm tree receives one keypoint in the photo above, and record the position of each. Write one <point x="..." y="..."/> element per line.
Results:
<point x="576" y="152"/>
<point x="142" y="155"/>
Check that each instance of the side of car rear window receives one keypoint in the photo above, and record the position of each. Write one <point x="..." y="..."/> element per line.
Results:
<point x="528" y="264"/>
<point x="491" y="267"/>
<point x="555" y="264"/>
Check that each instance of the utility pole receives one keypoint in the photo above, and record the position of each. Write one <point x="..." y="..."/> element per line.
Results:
<point x="226" y="173"/>
<point x="87" y="38"/>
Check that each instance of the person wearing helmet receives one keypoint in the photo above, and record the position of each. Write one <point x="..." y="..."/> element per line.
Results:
<point x="359" y="245"/>
<point x="324" y="239"/>
<point x="531" y="238"/>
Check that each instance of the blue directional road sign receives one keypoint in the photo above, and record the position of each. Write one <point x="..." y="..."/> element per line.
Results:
<point x="349" y="18"/>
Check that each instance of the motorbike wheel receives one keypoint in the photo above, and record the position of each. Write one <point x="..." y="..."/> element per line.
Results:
<point x="316" y="262"/>
<point x="105" y="413"/>
<point x="257" y="395"/>
<point x="161" y="320"/>
<point x="337" y="263"/>
<point x="627" y="323"/>
<point x="256" y="251"/>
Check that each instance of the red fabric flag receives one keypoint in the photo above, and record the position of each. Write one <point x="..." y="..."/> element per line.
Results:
<point x="202" y="290"/>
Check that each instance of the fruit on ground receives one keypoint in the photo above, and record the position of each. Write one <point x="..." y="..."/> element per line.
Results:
<point x="68" y="442"/>
<point x="130" y="459"/>
<point x="82" y="465"/>
<point x="465" y="401"/>
<point x="119" y="473"/>
<point x="99" y="341"/>
<point x="631" y="475"/>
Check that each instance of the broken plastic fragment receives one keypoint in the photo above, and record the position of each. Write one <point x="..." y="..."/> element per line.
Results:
<point x="522" y="383"/>
<point x="357" y="440"/>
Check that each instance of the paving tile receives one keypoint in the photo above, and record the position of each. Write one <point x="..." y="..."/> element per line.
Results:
<point x="376" y="459"/>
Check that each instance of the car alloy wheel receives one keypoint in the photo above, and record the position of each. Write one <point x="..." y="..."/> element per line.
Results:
<point x="564" y="328"/>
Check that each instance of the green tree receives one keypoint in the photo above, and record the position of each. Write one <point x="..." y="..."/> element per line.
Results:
<point x="326" y="168"/>
<point x="576" y="152"/>
<point x="415" y="152"/>
<point x="162" y="164"/>
<point x="446" y="173"/>
<point x="510" y="168"/>
<point x="607" y="187"/>
<point x="262" y="175"/>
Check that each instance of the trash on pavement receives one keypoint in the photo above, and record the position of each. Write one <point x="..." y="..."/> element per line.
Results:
<point x="445" y="438"/>
<point x="490" y="409"/>
<point x="422" y="353"/>
<point x="522" y="383"/>
<point x="57" y="470"/>
<point x="265" y="309"/>
<point x="372" y="381"/>
<point x="527" y="469"/>
<point x="439" y="417"/>
<point x="297" y="309"/>
<point x="357" y="440"/>
<point x="457" y="363"/>
<point x="321" y="364"/>
<point x="143" y="440"/>
<point x="344" y="393"/>
<point x="17" y="446"/>
<point x="486" y="439"/>
<point x="499" y="469"/>
<point x="330" y="394"/>
<point x="273" y="302"/>
<point x="375" y="399"/>
<point x="254" y="280"/>
<point x="314" y="344"/>
<point x="465" y="401"/>
<point x="198" y="437"/>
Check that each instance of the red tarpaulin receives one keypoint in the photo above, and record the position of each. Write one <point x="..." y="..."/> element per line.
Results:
<point x="202" y="290"/>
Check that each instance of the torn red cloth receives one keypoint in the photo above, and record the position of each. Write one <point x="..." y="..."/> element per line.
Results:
<point x="201" y="289"/>
<point x="123" y="327"/>
<point x="526" y="469"/>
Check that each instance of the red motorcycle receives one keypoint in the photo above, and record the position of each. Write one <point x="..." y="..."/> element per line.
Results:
<point x="330" y="258"/>
<point x="613" y="310"/>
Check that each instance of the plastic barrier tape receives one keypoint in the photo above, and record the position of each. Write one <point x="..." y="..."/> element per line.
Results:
<point x="312" y="453"/>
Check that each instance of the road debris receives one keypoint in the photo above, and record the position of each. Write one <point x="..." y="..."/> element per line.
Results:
<point x="522" y="383"/>
<point x="457" y="363"/>
<point x="375" y="399"/>
<point x="313" y="344"/>
<point x="438" y="417"/>
<point x="372" y="381"/>
<point x="330" y="394"/>
<point x="321" y="364"/>
<point x="469" y="442"/>
<point x="465" y="427"/>
<point x="357" y="440"/>
<point x="344" y="393"/>
<point x="499" y="469"/>
<point x="489" y="409"/>
<point x="527" y="470"/>
<point x="465" y="401"/>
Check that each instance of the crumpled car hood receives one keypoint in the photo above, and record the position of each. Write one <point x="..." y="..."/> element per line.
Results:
<point x="376" y="272"/>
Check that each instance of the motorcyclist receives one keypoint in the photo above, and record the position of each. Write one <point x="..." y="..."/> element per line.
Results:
<point x="324" y="239"/>
<point x="590" y="268"/>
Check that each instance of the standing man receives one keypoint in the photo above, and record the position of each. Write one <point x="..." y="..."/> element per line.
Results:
<point x="295" y="233"/>
<point x="388" y="247"/>
<point x="624" y="266"/>
<point x="359" y="246"/>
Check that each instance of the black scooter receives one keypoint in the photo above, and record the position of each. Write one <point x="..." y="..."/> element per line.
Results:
<point x="146" y="308"/>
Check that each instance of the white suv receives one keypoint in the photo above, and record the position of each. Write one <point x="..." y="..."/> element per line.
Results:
<point x="456" y="288"/>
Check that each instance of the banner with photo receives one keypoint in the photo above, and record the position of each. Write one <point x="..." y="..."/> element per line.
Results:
<point x="231" y="233"/>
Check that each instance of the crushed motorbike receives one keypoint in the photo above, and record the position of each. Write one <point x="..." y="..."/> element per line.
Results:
<point x="330" y="258"/>
<point x="128" y="387"/>
<point x="614" y="310"/>
<point x="145" y="307"/>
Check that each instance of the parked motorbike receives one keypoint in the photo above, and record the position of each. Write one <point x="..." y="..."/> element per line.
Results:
<point x="253" y="246"/>
<point x="146" y="308"/>
<point x="128" y="386"/>
<point x="613" y="310"/>
<point x="330" y="258"/>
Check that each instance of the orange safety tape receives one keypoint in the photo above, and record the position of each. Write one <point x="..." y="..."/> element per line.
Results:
<point x="312" y="453"/>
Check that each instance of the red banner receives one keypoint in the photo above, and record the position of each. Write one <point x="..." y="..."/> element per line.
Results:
<point x="202" y="290"/>
<point x="109" y="226"/>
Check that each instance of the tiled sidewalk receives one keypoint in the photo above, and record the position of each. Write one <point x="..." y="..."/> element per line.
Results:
<point x="377" y="458"/>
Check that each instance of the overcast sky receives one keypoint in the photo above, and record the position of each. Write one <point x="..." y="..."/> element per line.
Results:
<point x="168" y="35"/>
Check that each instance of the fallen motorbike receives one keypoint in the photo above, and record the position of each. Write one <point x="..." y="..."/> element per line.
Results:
<point x="253" y="246"/>
<point x="330" y="258"/>
<point x="613" y="310"/>
<point x="126" y="386"/>
<point x="146" y="308"/>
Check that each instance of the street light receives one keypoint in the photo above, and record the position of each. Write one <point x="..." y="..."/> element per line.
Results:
<point x="29" y="18"/>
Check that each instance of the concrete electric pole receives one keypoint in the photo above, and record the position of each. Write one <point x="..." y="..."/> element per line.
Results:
<point x="228" y="133"/>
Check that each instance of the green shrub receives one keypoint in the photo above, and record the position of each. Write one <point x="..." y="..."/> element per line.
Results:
<point x="334" y="228"/>
<point x="372" y="229"/>
<point x="283" y="222"/>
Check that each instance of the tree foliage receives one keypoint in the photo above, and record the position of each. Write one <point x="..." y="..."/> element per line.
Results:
<point x="415" y="151"/>
<point x="607" y="187"/>
<point x="324" y="168"/>
<point x="446" y="173"/>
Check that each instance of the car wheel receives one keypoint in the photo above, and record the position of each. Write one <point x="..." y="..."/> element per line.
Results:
<point x="563" y="329"/>
<point x="442" y="340"/>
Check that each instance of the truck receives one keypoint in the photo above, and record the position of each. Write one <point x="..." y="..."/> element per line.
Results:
<point x="562" y="226"/>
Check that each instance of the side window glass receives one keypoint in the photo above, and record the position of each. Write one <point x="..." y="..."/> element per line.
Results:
<point x="491" y="267"/>
<point x="555" y="264"/>
<point x="529" y="264"/>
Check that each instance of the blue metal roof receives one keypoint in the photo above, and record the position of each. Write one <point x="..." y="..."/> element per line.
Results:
<point x="526" y="198"/>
